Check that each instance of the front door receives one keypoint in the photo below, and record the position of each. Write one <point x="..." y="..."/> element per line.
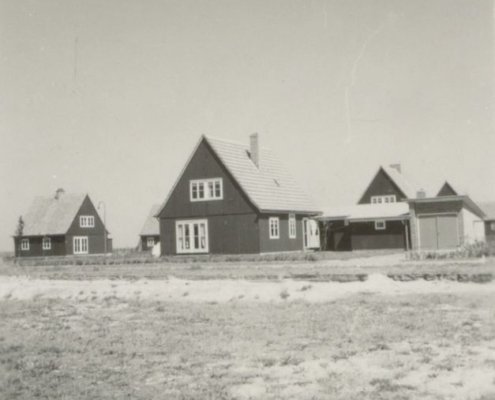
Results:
<point x="191" y="236"/>
<point x="311" y="234"/>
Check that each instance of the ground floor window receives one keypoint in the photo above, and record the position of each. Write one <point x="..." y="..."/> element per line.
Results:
<point x="274" y="226"/>
<point x="25" y="244"/>
<point x="80" y="245"/>
<point x="150" y="242"/>
<point x="47" y="243"/>
<point x="192" y="236"/>
<point x="380" y="225"/>
<point x="292" y="226"/>
<point x="492" y="226"/>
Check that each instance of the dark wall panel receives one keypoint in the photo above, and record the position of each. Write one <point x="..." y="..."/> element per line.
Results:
<point x="438" y="207"/>
<point x="336" y="236"/>
<point x="96" y="237"/>
<point x="227" y="234"/>
<point x="364" y="236"/>
<point x="284" y="243"/>
<point x="36" y="247"/>
<point x="87" y="208"/>
<point x="205" y="164"/>
<point x="381" y="185"/>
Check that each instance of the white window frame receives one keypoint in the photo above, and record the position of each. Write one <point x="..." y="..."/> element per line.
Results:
<point x="390" y="198"/>
<point x="24" y="244"/>
<point x="150" y="241"/>
<point x="80" y="245"/>
<point x="292" y="226"/>
<point x="46" y="243"/>
<point x="87" y="221"/>
<point x="274" y="227"/>
<point x="380" y="225"/>
<point x="197" y="186"/>
<point x="185" y="245"/>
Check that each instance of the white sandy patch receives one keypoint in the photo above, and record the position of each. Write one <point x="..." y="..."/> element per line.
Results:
<point x="366" y="372"/>
<point x="225" y="290"/>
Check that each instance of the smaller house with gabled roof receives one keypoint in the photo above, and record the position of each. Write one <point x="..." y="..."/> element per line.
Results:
<point x="61" y="225"/>
<point x="150" y="232"/>
<point x="396" y="213"/>
<point x="231" y="198"/>
<point x="379" y="220"/>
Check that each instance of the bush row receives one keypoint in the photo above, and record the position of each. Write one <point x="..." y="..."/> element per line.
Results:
<point x="470" y="250"/>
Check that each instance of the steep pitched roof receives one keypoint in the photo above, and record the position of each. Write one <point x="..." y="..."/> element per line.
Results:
<point x="269" y="187"/>
<point x="151" y="225"/>
<point x="489" y="209"/>
<point x="51" y="216"/>
<point x="405" y="183"/>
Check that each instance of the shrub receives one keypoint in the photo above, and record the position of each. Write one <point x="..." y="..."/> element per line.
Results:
<point x="466" y="251"/>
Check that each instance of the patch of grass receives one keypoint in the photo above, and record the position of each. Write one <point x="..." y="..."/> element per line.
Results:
<point x="284" y="294"/>
<point x="199" y="351"/>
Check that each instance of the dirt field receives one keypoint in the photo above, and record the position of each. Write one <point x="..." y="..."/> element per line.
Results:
<point x="237" y="339"/>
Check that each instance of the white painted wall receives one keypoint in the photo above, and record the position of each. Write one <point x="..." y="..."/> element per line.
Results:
<point x="474" y="229"/>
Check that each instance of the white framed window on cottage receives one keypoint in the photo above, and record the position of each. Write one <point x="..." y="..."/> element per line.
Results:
<point x="274" y="227"/>
<point x="24" y="244"/>
<point x="47" y="243"/>
<point x="380" y="225"/>
<point x="391" y="198"/>
<point x="80" y="245"/>
<point x="191" y="236"/>
<point x="150" y="242"/>
<point x="206" y="189"/>
<point x="86" y="221"/>
<point x="292" y="226"/>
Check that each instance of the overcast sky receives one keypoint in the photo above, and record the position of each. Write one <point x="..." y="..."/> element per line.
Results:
<point x="109" y="97"/>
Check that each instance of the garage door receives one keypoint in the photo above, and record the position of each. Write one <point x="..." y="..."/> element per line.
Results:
<point x="438" y="232"/>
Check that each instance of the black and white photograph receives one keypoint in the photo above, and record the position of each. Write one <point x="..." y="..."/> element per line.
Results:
<point x="247" y="199"/>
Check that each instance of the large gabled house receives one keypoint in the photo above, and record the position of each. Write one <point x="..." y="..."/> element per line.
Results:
<point x="61" y="225"/>
<point x="396" y="213"/>
<point x="150" y="232"/>
<point x="231" y="198"/>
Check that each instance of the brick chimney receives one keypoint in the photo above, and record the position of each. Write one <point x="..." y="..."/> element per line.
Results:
<point x="397" y="167"/>
<point x="58" y="193"/>
<point x="254" y="149"/>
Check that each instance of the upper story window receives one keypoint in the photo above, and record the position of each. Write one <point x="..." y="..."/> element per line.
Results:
<point x="383" y="199"/>
<point x="206" y="189"/>
<point x="292" y="226"/>
<point x="25" y="244"/>
<point x="87" y="221"/>
<point x="274" y="227"/>
<point x="47" y="243"/>
<point x="380" y="225"/>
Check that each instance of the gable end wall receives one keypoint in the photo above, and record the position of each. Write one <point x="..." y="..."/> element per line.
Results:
<point x="381" y="185"/>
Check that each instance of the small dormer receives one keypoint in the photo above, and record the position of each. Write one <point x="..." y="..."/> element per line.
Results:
<point x="447" y="190"/>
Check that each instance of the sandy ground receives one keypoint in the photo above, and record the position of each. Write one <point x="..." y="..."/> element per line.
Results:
<point x="224" y="290"/>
